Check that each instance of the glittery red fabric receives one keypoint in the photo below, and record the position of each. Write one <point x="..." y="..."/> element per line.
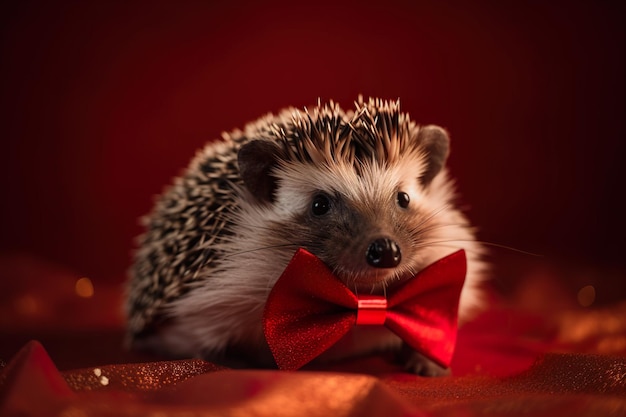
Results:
<point x="556" y="385"/>
<point x="309" y="310"/>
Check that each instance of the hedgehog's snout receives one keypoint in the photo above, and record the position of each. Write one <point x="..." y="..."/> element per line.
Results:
<point x="383" y="253"/>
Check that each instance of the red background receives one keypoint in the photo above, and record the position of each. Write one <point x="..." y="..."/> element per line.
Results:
<point x="103" y="102"/>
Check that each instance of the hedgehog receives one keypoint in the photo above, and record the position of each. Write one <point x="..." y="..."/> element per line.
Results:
<point x="367" y="191"/>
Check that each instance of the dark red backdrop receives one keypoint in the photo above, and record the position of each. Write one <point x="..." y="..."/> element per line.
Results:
<point x="103" y="102"/>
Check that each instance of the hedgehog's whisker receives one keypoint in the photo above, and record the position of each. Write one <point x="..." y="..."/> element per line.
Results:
<point x="486" y="243"/>
<point x="419" y="230"/>
<point x="432" y="215"/>
<point x="500" y="246"/>
<point x="284" y="245"/>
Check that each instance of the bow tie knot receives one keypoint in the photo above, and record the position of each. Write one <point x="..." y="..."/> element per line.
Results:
<point x="371" y="309"/>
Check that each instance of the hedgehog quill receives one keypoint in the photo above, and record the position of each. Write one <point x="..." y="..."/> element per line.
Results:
<point x="365" y="190"/>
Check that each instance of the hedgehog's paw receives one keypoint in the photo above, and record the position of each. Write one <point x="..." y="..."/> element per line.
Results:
<point x="419" y="364"/>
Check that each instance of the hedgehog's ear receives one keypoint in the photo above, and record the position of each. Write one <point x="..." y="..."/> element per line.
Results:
<point x="435" y="141"/>
<point x="256" y="160"/>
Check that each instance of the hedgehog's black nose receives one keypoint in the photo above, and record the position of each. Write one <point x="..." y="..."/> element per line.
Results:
<point x="383" y="253"/>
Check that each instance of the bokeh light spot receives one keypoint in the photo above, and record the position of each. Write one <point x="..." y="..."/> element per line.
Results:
<point x="84" y="288"/>
<point x="586" y="295"/>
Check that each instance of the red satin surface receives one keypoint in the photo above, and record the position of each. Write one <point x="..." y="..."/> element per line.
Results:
<point x="309" y="310"/>
<point x="556" y="385"/>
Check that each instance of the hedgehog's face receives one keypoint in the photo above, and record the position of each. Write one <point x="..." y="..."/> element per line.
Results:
<point x="369" y="228"/>
<point x="365" y="241"/>
<point x="371" y="224"/>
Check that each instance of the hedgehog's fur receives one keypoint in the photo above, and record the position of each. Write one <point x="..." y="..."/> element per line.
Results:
<point x="219" y="238"/>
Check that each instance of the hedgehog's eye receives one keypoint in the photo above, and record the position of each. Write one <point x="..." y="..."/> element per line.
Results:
<point x="403" y="199"/>
<point x="320" y="205"/>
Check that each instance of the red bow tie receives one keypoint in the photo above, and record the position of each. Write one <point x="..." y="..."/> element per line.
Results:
<point x="309" y="310"/>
